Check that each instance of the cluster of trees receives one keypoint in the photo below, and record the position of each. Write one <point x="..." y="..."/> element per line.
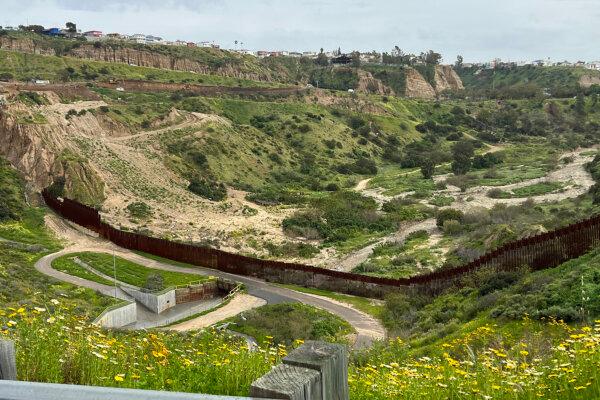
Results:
<point x="71" y="27"/>
<point x="399" y="57"/>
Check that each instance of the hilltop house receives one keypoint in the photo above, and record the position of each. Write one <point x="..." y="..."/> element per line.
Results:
<point x="93" y="35"/>
<point x="52" y="32"/>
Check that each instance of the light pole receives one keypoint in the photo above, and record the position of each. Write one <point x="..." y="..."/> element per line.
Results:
<point x="115" y="272"/>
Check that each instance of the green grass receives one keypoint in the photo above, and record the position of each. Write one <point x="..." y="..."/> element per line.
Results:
<point x="368" y="306"/>
<point x="536" y="189"/>
<point x="67" y="265"/>
<point x="132" y="273"/>
<point x="396" y="180"/>
<point x="441" y="200"/>
<point x="75" y="352"/>
<point x="302" y="322"/>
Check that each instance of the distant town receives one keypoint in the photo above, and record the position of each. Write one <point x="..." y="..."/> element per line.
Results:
<point x="366" y="57"/>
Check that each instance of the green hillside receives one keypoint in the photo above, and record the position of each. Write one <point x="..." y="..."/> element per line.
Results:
<point x="524" y="81"/>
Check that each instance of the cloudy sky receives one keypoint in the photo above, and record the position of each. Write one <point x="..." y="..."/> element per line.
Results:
<point x="477" y="29"/>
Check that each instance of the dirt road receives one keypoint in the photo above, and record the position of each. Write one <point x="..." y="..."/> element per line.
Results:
<point x="367" y="327"/>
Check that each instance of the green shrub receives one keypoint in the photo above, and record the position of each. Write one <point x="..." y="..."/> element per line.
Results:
<point x="32" y="98"/>
<point x="12" y="202"/>
<point x="154" y="283"/>
<point x="451" y="227"/>
<point x="448" y="214"/>
<point x="139" y="209"/>
<point x="301" y="322"/>
<point x="208" y="189"/>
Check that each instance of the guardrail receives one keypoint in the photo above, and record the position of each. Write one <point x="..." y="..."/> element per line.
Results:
<point x="545" y="250"/>
<point x="313" y="371"/>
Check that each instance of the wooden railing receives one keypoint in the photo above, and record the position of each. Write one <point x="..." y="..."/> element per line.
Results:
<point x="541" y="251"/>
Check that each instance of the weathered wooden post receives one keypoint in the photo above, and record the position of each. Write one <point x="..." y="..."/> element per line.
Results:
<point x="8" y="361"/>
<point x="314" y="371"/>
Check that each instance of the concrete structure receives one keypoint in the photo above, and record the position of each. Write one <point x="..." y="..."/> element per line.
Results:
<point x="118" y="316"/>
<point x="155" y="302"/>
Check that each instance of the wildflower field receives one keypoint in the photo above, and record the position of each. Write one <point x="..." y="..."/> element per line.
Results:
<point x="526" y="360"/>
<point x="537" y="360"/>
<point x="55" y="345"/>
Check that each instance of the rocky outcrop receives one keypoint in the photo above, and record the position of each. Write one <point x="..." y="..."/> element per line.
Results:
<point x="417" y="86"/>
<point x="446" y="79"/>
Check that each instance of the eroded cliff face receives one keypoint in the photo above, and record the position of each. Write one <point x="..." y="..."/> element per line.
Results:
<point x="144" y="58"/>
<point x="417" y="86"/>
<point x="39" y="144"/>
<point x="368" y="84"/>
<point x="445" y="78"/>
<point x="23" y="45"/>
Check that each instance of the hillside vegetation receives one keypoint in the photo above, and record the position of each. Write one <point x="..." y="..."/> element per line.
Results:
<point x="526" y="81"/>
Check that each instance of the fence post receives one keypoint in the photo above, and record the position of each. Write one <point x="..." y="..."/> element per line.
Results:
<point x="314" y="371"/>
<point x="8" y="361"/>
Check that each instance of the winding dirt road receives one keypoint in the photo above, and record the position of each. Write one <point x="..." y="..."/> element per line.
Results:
<point x="368" y="328"/>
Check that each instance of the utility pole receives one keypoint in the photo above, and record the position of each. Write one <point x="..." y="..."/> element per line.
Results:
<point x="115" y="272"/>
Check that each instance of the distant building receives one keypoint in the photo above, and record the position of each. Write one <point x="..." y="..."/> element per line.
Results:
<point x="191" y="44"/>
<point x="295" y="54"/>
<point x="153" y="39"/>
<point x="96" y="34"/>
<point x="52" y="32"/>
<point x="343" y="59"/>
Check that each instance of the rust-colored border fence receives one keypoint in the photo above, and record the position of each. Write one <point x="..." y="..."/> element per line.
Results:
<point x="545" y="250"/>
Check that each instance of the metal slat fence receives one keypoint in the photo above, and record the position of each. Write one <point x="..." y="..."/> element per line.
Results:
<point x="541" y="251"/>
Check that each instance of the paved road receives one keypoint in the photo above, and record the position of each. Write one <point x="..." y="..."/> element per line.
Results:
<point x="367" y="327"/>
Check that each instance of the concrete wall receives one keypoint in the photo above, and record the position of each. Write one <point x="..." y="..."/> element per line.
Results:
<point x="154" y="302"/>
<point x="202" y="291"/>
<point x="117" y="317"/>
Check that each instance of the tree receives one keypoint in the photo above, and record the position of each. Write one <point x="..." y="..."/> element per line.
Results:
<point x="355" y="55"/>
<point x="71" y="27"/>
<point x="322" y="59"/>
<point x="431" y="57"/>
<point x="32" y="28"/>
<point x="459" y="62"/>
<point x="462" y="153"/>
<point x="427" y="168"/>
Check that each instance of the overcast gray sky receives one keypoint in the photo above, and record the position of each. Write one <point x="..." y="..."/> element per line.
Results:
<point x="477" y="29"/>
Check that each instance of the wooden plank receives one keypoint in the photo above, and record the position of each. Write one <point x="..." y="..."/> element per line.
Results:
<point x="8" y="361"/>
<point x="331" y="360"/>
<point x="288" y="382"/>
